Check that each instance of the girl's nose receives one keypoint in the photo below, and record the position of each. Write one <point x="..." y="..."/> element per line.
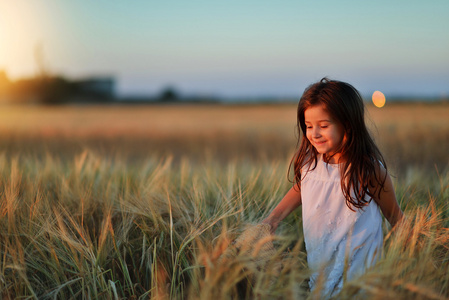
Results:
<point x="316" y="132"/>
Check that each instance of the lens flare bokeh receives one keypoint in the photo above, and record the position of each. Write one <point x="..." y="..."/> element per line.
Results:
<point x="378" y="99"/>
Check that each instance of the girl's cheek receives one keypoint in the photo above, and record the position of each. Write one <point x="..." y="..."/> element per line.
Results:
<point x="309" y="137"/>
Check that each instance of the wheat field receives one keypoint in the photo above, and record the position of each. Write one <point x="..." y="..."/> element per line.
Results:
<point x="140" y="202"/>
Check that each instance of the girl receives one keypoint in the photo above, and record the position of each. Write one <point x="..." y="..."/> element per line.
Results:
<point x="338" y="171"/>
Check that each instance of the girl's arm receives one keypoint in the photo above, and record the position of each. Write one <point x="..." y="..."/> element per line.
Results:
<point x="288" y="204"/>
<point x="386" y="199"/>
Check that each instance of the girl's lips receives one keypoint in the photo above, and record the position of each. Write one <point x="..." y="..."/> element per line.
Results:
<point x="319" y="143"/>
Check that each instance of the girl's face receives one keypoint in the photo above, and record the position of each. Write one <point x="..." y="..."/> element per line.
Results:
<point x="323" y="132"/>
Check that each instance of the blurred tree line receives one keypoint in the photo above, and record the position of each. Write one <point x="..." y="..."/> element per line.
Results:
<point x="45" y="89"/>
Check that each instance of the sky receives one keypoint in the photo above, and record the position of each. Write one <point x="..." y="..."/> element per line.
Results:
<point x="233" y="48"/>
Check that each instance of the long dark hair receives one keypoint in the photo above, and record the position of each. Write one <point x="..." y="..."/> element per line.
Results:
<point x="360" y="155"/>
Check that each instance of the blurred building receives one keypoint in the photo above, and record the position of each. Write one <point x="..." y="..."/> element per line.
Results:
<point x="97" y="88"/>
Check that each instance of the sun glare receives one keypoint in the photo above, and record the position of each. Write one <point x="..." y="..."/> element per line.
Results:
<point x="378" y="99"/>
<point x="20" y="30"/>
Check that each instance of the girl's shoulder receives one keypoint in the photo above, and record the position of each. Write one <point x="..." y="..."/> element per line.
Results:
<point x="378" y="177"/>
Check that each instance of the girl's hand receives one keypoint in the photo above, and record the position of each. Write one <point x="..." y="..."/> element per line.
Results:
<point x="273" y="224"/>
<point x="289" y="203"/>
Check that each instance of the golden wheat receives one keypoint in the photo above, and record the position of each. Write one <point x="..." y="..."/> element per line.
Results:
<point x="116" y="222"/>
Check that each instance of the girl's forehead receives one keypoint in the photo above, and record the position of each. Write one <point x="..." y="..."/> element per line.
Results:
<point x="317" y="113"/>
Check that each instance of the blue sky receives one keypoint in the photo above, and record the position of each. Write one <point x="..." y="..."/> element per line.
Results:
<point x="233" y="48"/>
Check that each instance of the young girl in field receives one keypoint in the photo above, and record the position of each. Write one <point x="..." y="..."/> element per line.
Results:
<point x="341" y="182"/>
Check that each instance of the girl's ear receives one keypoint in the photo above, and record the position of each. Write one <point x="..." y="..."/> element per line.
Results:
<point x="346" y="135"/>
<point x="348" y="131"/>
<point x="345" y="139"/>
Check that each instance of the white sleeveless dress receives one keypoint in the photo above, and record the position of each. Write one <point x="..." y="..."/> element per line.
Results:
<point x="333" y="233"/>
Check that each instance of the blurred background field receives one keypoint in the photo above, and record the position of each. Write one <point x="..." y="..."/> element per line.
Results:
<point x="410" y="135"/>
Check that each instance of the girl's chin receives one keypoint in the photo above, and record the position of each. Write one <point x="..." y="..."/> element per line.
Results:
<point x="321" y="150"/>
